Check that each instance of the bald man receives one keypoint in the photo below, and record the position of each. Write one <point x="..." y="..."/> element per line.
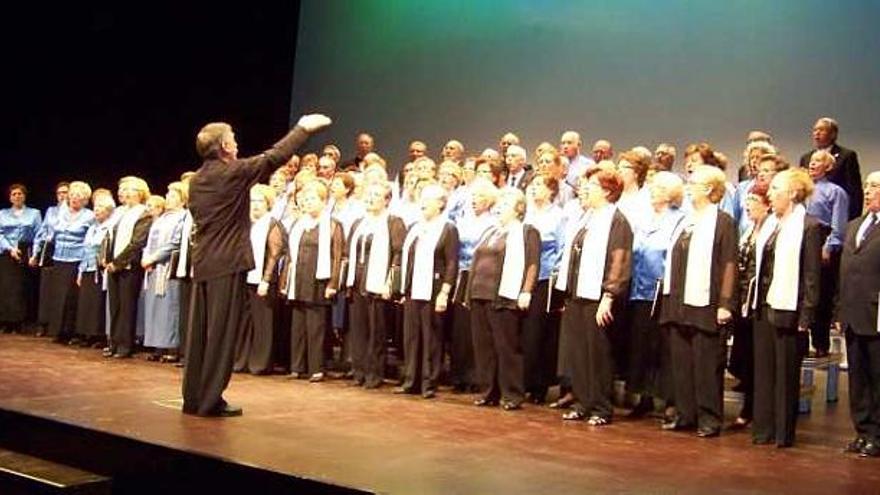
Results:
<point x="846" y="172"/>
<point x="578" y="164"/>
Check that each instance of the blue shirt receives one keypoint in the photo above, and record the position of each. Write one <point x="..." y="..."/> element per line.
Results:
<point x="164" y="237"/>
<point x="636" y="208"/>
<point x="739" y="206"/>
<point x="830" y="205"/>
<point x="577" y="167"/>
<point x="550" y="223"/>
<point x="649" y="254"/>
<point x="470" y="230"/>
<point x="70" y="234"/>
<point x="92" y="246"/>
<point x="18" y="229"/>
<point x="46" y="231"/>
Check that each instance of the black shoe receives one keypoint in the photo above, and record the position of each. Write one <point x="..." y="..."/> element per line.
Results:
<point x="510" y="405"/>
<point x="674" y="424"/>
<point x="871" y="449"/>
<point x="429" y="394"/>
<point x="574" y="415"/>
<point x="228" y="411"/>
<point x="643" y="408"/>
<point x="856" y="446"/>
<point x="707" y="432"/>
<point x="295" y="375"/>
<point x="122" y="355"/>
<point x="564" y="402"/>
<point x="761" y="441"/>
<point x="740" y="423"/>
<point x="484" y="402"/>
<point x="403" y="390"/>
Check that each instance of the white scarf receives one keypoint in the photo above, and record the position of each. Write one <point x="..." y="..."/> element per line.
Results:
<point x="698" y="273"/>
<point x="514" y="261"/>
<point x="125" y="228"/>
<point x="184" y="245"/>
<point x="591" y="271"/>
<point x="259" y="235"/>
<point x="428" y="235"/>
<point x="380" y="255"/>
<point x="306" y="222"/>
<point x="571" y="230"/>
<point x="783" y="291"/>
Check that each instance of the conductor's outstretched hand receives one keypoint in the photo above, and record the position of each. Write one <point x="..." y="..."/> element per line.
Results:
<point x="314" y="122"/>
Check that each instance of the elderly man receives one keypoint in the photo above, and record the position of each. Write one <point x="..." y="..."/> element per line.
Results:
<point x="219" y="201"/>
<point x="453" y="151"/>
<point x="326" y="167"/>
<point x="846" y="172"/>
<point x="578" y="164"/>
<point x="506" y="142"/>
<point x="602" y="150"/>
<point x="417" y="149"/>
<point x="364" y="145"/>
<point x="664" y="157"/>
<point x="858" y="317"/>
<point x="517" y="175"/>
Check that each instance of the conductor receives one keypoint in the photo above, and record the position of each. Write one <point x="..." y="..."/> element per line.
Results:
<point x="219" y="203"/>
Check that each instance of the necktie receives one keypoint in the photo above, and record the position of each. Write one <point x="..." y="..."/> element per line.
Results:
<point x="872" y="225"/>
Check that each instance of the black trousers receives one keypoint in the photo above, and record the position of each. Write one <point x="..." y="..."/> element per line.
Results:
<point x="497" y="350"/>
<point x="62" y="302"/>
<point x="665" y="388"/>
<point x="698" y="359"/>
<point x="540" y="340"/>
<point x="123" y="288"/>
<point x="643" y="349"/>
<point x="253" y="351"/>
<point x="589" y="358"/>
<point x="183" y="321"/>
<point x="422" y="345"/>
<point x="44" y="296"/>
<point x="777" y="382"/>
<point x="13" y="279"/>
<point x="863" y="356"/>
<point x="216" y="310"/>
<point x="308" y="328"/>
<point x="742" y="362"/>
<point x="461" y="355"/>
<point x="368" y="338"/>
<point x="829" y="277"/>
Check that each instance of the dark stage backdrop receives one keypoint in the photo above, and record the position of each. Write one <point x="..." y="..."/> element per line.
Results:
<point x="632" y="71"/>
<point x="95" y="92"/>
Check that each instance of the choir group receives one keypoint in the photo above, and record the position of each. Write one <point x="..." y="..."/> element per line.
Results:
<point x="498" y="274"/>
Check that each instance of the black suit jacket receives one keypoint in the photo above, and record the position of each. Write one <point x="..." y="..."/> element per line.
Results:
<point x="808" y="286"/>
<point x="219" y="201"/>
<point x="846" y="174"/>
<point x="859" y="281"/>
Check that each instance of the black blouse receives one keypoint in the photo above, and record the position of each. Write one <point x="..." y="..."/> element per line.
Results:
<point x="485" y="275"/>
<point x="445" y="261"/>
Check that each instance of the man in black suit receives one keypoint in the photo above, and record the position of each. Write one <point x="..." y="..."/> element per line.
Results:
<point x="846" y="172"/>
<point x="219" y="201"/>
<point x="857" y="314"/>
<point x="364" y="144"/>
<point x="517" y="175"/>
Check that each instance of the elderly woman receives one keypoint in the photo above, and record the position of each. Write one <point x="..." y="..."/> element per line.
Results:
<point x="540" y="332"/>
<point x="595" y="273"/>
<point x="315" y="248"/>
<point x="491" y="170"/>
<point x="91" y="307"/>
<point x="476" y="219"/>
<point x="550" y="162"/>
<point x="787" y="269"/>
<point x="374" y="250"/>
<point x="634" y="201"/>
<point x="742" y="353"/>
<point x="449" y="177"/>
<point x="125" y="274"/>
<point x="751" y="160"/>
<point x="502" y="279"/>
<point x="255" y="343"/>
<point x="703" y="154"/>
<point x="829" y="204"/>
<point x="346" y="210"/>
<point x="699" y="288"/>
<point x="428" y="271"/>
<point x="161" y="291"/>
<point x="69" y="238"/>
<point x="649" y="371"/>
<point x="18" y="227"/>
<point x="41" y="255"/>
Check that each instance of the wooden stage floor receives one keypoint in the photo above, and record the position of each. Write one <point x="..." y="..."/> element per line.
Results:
<point x="377" y="441"/>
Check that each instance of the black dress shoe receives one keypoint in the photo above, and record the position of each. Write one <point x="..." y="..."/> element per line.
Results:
<point x="673" y="424"/>
<point x="856" y="446"/>
<point x="485" y="402"/>
<point x="707" y="432"/>
<point x="643" y="408"/>
<point x="228" y="411"/>
<point x="871" y="449"/>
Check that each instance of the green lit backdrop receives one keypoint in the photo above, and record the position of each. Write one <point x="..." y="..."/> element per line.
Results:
<point x="634" y="72"/>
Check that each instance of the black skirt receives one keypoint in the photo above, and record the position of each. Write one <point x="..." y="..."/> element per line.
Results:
<point x="45" y="295"/>
<point x="91" y="308"/>
<point x="62" y="297"/>
<point x="13" y="279"/>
